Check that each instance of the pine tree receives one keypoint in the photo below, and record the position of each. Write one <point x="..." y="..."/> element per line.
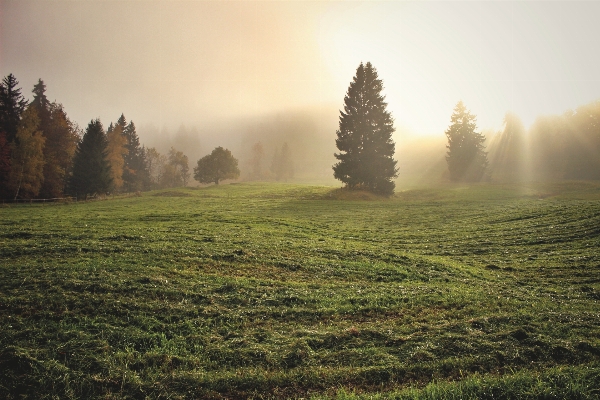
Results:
<point x="91" y="169"/>
<point x="134" y="171"/>
<point x="27" y="157"/>
<point x="122" y="122"/>
<point x="12" y="105"/>
<point x="41" y="103"/>
<point x="466" y="158"/>
<point x="217" y="166"/>
<point x="364" y="137"/>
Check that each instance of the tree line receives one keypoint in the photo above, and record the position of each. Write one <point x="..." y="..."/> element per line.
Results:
<point x="43" y="154"/>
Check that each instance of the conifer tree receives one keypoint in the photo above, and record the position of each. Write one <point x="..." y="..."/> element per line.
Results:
<point x="27" y="157"/>
<point x="466" y="158"/>
<point x="134" y="171"/>
<point x="364" y="137"/>
<point x="12" y="105"/>
<point x="41" y="103"/>
<point x="91" y="168"/>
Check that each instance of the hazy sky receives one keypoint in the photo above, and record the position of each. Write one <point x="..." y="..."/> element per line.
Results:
<point x="170" y="62"/>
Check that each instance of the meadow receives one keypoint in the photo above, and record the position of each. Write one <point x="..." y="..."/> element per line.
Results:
<point x="297" y="291"/>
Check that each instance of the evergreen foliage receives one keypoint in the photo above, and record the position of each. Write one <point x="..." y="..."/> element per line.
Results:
<point x="364" y="137"/>
<point x="466" y="158"/>
<point x="91" y="168"/>
<point x="134" y="170"/>
<point x="41" y="103"/>
<point x="12" y="105"/>
<point x="27" y="157"/>
<point x="217" y="166"/>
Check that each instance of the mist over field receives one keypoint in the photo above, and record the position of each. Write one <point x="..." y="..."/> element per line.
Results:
<point x="205" y="199"/>
<point x="201" y="74"/>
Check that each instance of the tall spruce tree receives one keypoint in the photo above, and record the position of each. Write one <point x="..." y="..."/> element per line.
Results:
<point x="466" y="158"/>
<point x="364" y="137"/>
<point x="41" y="103"/>
<point x="91" y="168"/>
<point x="12" y="105"/>
<point x="134" y="171"/>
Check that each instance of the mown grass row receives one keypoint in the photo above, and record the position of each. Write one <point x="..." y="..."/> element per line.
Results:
<point x="288" y="291"/>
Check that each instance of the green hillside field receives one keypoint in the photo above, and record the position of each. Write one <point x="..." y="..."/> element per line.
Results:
<point x="297" y="291"/>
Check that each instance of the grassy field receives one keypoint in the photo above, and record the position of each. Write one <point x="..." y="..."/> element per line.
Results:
<point x="275" y="291"/>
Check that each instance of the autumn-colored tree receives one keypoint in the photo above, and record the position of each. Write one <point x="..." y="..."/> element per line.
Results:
<point x="116" y="150"/>
<point x="61" y="138"/>
<point x="27" y="155"/>
<point x="4" y="166"/>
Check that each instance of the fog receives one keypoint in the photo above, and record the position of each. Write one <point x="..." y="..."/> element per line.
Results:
<point x="200" y="74"/>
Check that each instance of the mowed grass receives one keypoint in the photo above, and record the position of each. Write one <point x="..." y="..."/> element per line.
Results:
<point x="288" y="291"/>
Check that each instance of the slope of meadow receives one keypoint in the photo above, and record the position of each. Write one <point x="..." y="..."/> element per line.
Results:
<point x="264" y="290"/>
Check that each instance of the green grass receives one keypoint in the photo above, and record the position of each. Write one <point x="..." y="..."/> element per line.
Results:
<point x="265" y="290"/>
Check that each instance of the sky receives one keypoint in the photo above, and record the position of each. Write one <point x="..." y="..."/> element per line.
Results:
<point x="168" y="62"/>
